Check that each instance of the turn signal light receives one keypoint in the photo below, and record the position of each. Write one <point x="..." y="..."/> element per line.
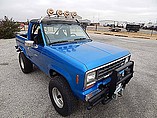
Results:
<point x="87" y="87"/>
<point x="77" y="79"/>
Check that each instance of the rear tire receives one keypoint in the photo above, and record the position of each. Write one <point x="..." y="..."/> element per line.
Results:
<point x="61" y="96"/>
<point x="25" y="64"/>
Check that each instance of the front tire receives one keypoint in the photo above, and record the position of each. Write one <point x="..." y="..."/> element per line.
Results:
<point x="25" y="64"/>
<point x="61" y="96"/>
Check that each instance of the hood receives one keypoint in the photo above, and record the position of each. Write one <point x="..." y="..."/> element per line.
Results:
<point x="91" y="54"/>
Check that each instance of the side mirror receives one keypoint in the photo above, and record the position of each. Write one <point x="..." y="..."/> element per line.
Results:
<point x="29" y="43"/>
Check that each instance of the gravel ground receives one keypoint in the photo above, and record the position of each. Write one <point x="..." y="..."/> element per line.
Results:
<point x="26" y="95"/>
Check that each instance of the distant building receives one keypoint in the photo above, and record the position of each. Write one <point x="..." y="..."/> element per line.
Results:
<point x="113" y="23"/>
<point x="78" y="17"/>
<point x="86" y="21"/>
<point x="106" y="22"/>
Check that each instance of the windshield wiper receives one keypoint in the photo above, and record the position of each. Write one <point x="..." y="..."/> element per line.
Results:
<point x="79" y="39"/>
<point x="58" y="42"/>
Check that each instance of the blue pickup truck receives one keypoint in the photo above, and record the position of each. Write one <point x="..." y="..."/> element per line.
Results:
<point x="79" y="68"/>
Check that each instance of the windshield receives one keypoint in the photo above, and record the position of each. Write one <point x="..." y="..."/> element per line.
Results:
<point x="58" y="33"/>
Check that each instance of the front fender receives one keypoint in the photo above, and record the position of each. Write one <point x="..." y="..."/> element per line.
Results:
<point x="62" y="72"/>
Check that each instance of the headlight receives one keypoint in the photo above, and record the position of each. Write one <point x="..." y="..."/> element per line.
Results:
<point x="90" y="79"/>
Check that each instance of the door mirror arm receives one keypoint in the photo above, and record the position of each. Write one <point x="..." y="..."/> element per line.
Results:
<point x="31" y="44"/>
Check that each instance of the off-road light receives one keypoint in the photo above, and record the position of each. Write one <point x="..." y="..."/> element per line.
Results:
<point x="66" y="14"/>
<point x="59" y="12"/>
<point x="50" y="12"/>
<point x="73" y="14"/>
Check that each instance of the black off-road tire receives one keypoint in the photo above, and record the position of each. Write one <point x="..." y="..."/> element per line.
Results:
<point x="69" y="100"/>
<point x="27" y="65"/>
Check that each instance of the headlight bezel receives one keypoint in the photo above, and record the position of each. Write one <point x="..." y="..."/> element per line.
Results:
<point x="89" y="83"/>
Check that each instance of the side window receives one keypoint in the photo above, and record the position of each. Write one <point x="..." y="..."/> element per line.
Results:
<point x="37" y="35"/>
<point x="34" y="31"/>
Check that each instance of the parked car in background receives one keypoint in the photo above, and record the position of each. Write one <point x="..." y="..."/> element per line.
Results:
<point x="132" y="27"/>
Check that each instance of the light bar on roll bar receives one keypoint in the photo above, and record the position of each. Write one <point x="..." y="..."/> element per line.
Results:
<point x="59" y="13"/>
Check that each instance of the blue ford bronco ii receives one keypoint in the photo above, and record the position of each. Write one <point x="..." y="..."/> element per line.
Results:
<point x="80" y="68"/>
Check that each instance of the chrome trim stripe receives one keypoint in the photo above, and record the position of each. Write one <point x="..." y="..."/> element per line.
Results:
<point x="107" y="64"/>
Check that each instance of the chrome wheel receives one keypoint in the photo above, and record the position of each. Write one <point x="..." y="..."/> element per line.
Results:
<point x="58" y="99"/>
<point x="22" y="63"/>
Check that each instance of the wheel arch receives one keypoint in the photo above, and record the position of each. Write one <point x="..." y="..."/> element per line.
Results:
<point x="53" y="71"/>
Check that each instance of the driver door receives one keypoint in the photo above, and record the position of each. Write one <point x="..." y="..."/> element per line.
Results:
<point x="34" y="52"/>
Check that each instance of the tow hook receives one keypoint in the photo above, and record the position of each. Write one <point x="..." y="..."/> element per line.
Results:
<point x="118" y="92"/>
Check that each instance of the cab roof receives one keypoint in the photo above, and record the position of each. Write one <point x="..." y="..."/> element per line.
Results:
<point x="51" y="20"/>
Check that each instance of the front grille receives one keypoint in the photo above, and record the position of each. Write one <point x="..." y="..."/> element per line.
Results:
<point x="107" y="70"/>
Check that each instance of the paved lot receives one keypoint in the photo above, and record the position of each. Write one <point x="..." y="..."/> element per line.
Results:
<point x="26" y="95"/>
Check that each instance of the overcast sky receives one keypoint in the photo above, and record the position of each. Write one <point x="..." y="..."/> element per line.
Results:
<point x="94" y="10"/>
